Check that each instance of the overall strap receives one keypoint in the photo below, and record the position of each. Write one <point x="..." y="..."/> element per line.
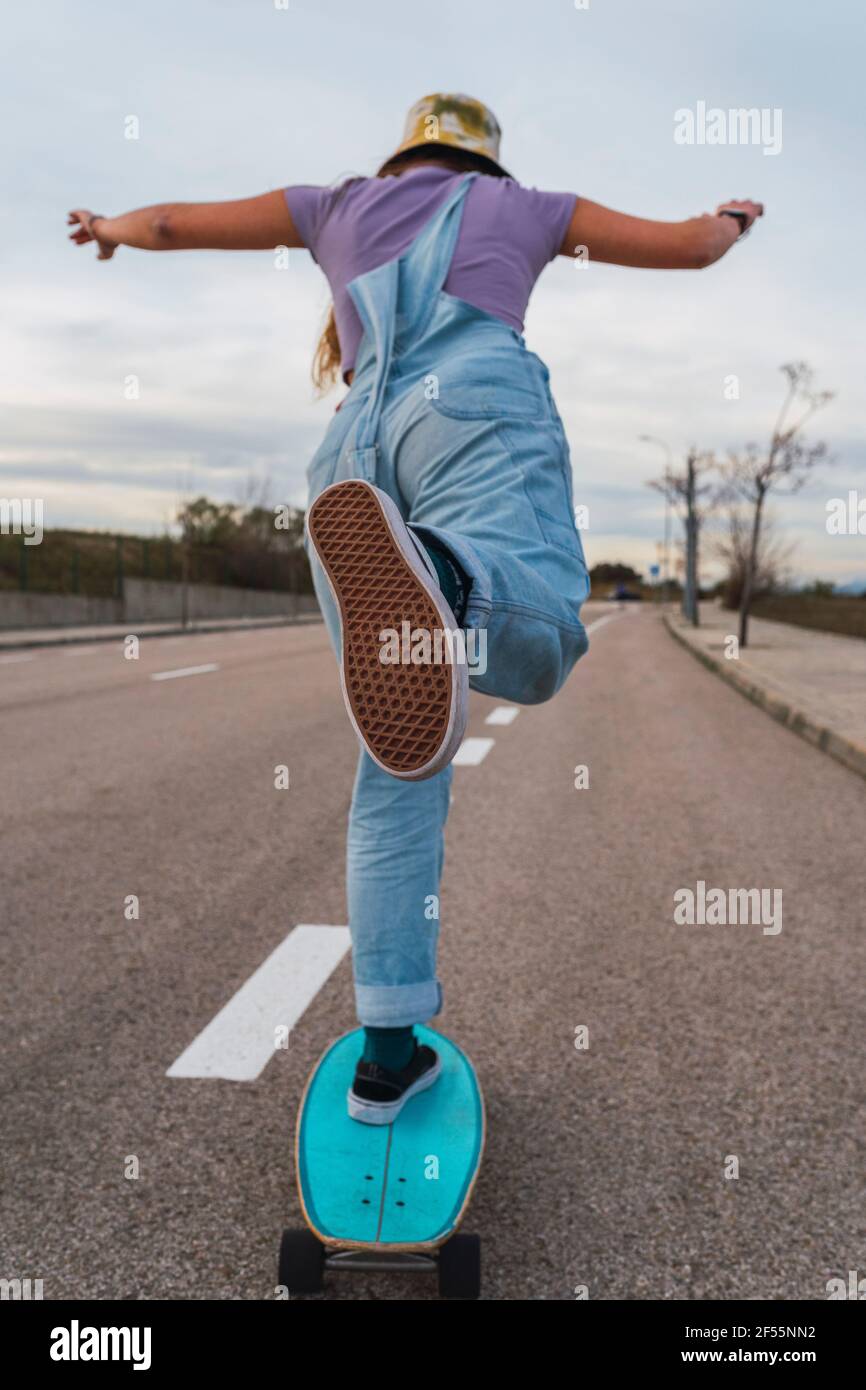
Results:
<point x="396" y="299"/>
<point x="424" y="267"/>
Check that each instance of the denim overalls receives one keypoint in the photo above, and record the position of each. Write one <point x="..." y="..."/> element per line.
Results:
<point x="452" y="416"/>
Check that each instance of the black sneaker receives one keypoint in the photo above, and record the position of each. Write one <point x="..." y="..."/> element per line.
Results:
<point x="377" y="1095"/>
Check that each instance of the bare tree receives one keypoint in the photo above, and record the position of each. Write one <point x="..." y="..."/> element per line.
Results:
<point x="786" y="466"/>
<point x="692" y="500"/>
<point x="732" y="548"/>
<point x="255" y="492"/>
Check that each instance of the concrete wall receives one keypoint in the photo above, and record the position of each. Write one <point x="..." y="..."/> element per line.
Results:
<point x="148" y="601"/>
<point x="56" y="610"/>
<point x="154" y="601"/>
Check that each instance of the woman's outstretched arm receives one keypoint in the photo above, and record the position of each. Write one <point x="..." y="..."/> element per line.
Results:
<point x="622" y="240"/>
<point x="247" y="224"/>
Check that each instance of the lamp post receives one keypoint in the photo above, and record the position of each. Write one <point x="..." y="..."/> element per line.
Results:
<point x="652" y="439"/>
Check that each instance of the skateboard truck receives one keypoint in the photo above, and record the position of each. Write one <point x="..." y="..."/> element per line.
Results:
<point x="304" y="1261"/>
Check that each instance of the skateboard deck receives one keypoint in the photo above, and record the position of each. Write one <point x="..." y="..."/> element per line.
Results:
<point x="389" y="1188"/>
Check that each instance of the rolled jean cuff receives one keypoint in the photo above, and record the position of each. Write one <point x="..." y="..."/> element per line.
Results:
<point x="397" y="1006"/>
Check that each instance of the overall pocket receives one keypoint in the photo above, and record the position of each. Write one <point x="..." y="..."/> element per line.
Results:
<point x="496" y="387"/>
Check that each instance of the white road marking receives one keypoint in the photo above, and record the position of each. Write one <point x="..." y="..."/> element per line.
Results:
<point x="502" y="714"/>
<point x="600" y="622"/>
<point x="82" y="651"/>
<point x="472" y="751"/>
<point x="13" y="658"/>
<point x="185" y="671"/>
<point x="240" y="1040"/>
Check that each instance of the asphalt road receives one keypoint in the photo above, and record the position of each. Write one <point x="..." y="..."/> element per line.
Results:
<point x="605" y="1167"/>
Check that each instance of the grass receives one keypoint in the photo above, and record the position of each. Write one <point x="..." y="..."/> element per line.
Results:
<point x="844" y="615"/>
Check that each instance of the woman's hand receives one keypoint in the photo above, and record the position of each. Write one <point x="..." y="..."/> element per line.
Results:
<point x="84" y="220"/>
<point x="750" y="210"/>
<point x="601" y="234"/>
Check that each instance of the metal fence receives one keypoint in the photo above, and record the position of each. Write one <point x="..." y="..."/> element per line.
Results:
<point x="96" y="564"/>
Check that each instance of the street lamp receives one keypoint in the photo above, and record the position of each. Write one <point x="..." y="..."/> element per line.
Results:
<point x="652" y="439"/>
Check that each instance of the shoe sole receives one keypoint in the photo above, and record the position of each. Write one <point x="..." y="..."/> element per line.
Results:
<point x="371" y="1112"/>
<point x="411" y="718"/>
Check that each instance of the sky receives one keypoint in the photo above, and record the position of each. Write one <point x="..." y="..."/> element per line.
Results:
<point x="235" y="97"/>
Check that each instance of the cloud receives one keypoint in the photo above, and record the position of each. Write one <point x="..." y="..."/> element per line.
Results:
<point x="234" y="99"/>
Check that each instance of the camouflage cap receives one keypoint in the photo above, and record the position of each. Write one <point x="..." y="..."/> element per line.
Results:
<point x="447" y="118"/>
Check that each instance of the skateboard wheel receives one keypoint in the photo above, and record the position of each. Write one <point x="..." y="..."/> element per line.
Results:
<point x="302" y="1262"/>
<point x="460" y="1267"/>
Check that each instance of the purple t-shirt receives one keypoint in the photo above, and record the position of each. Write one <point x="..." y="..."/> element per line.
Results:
<point x="508" y="234"/>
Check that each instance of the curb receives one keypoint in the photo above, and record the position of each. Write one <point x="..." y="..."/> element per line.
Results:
<point x="844" y="750"/>
<point x="191" y="630"/>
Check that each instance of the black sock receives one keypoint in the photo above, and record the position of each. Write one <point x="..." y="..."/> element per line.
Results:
<point x="392" y="1048"/>
<point x="454" y="584"/>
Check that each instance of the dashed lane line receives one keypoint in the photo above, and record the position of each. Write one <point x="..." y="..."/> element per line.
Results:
<point x="502" y="714"/>
<point x="472" y="751"/>
<point x="239" y="1041"/>
<point x="185" y="671"/>
<point x="600" y="622"/>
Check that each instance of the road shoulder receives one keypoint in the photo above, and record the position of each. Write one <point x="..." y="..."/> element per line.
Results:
<point x="812" y="682"/>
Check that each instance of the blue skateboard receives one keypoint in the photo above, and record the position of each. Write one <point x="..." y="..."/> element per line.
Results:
<point x="387" y="1197"/>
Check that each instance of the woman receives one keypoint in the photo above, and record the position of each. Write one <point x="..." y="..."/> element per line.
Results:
<point x="440" y="520"/>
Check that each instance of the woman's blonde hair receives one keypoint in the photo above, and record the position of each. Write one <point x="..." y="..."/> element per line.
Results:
<point x="326" y="359"/>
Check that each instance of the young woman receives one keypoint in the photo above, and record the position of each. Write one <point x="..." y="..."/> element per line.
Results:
<point x="440" y="521"/>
